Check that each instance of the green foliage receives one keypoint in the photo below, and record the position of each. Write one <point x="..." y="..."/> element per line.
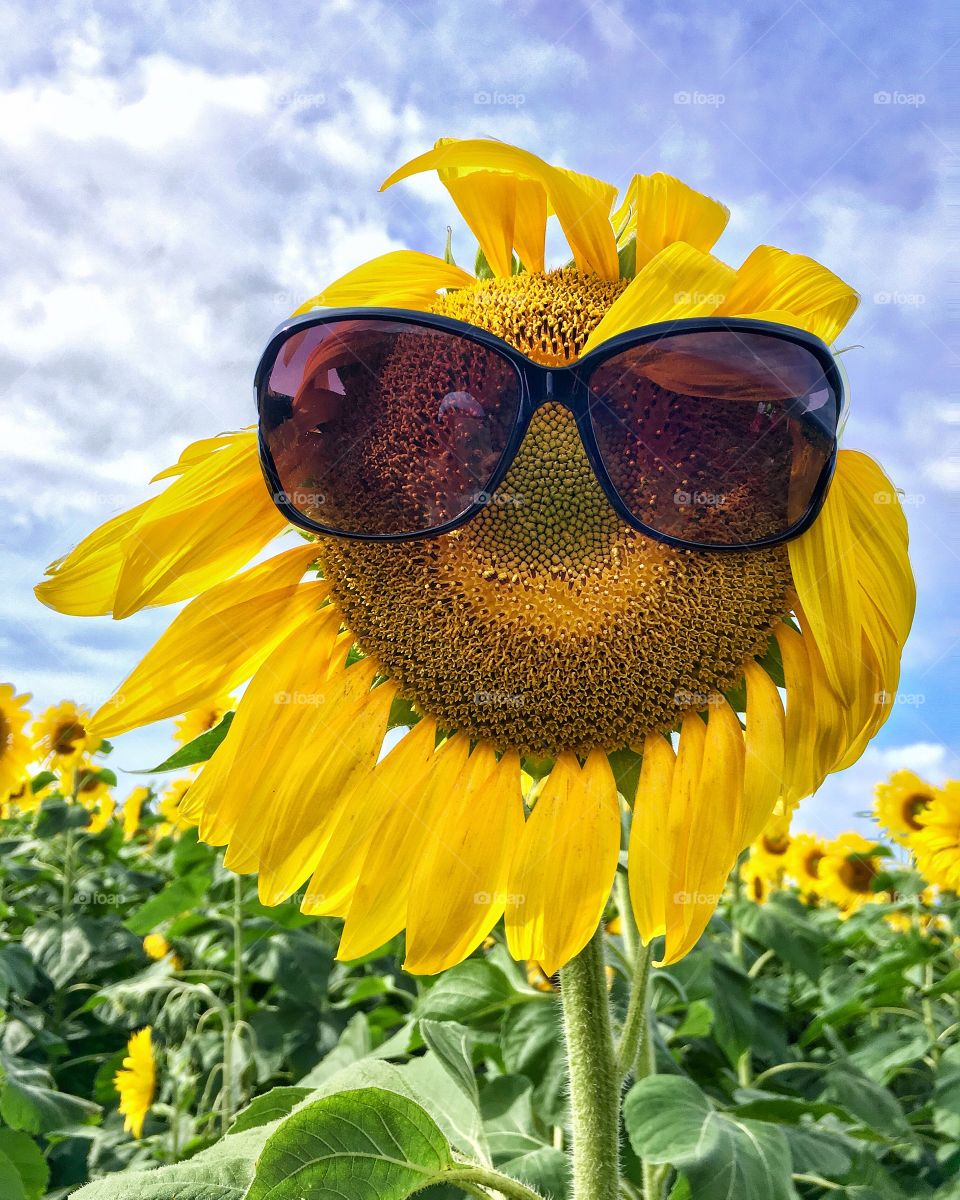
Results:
<point x="799" y="1057"/>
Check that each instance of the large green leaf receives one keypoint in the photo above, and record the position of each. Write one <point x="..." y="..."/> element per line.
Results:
<point x="792" y="939"/>
<point x="29" y="1100"/>
<point x="25" y="1156"/>
<point x="471" y="992"/>
<point x="179" y="896"/>
<point x="669" y="1120"/>
<point x="451" y="1042"/>
<point x="224" y="1172"/>
<point x="366" y="1142"/>
<point x="198" y="751"/>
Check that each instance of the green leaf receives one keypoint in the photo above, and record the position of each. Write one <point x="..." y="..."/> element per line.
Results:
<point x="179" y="896"/>
<point x="870" y="1102"/>
<point x="17" y="973"/>
<point x="198" y="751"/>
<point x="793" y="940"/>
<point x="29" y="1101"/>
<point x="11" y="1183"/>
<point x="366" y="1142"/>
<point x="532" y="1045"/>
<point x="946" y="1095"/>
<point x="470" y="992"/>
<point x="279" y="1102"/>
<point x="27" y="1159"/>
<point x="452" y="1043"/>
<point x="669" y="1120"/>
<point x="734" y="1023"/>
<point x="223" y="1172"/>
<point x="295" y="960"/>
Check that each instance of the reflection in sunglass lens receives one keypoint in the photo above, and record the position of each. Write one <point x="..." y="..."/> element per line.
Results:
<point x="715" y="437"/>
<point x="386" y="427"/>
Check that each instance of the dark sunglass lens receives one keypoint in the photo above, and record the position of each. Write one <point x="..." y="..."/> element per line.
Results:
<point x="716" y="437"/>
<point x="385" y="427"/>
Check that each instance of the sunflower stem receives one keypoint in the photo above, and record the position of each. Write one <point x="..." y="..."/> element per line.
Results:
<point x="594" y="1081"/>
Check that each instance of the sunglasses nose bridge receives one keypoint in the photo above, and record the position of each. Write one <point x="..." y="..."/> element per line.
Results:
<point x="551" y="385"/>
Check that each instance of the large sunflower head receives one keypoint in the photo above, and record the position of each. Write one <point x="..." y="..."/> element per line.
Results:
<point x="62" y="738"/>
<point x="900" y="802"/>
<point x="545" y="636"/>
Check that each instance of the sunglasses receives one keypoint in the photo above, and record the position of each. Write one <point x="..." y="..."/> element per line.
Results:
<point x="707" y="433"/>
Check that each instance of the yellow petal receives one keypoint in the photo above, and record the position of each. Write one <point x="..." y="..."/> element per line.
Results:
<point x="830" y="724"/>
<point x="530" y="223"/>
<point x="709" y="842"/>
<point x="215" y="643"/>
<point x="565" y="863"/>
<point x="582" y="204"/>
<point x="769" y="278"/>
<point x="879" y="533"/>
<point x="365" y="802"/>
<point x="764" y="767"/>
<point x="823" y="563"/>
<point x="267" y="719"/>
<point x="799" y="774"/>
<point x="83" y="582"/>
<point x="209" y="522"/>
<point x="683" y="795"/>
<point x="340" y="743"/>
<point x="466" y="859"/>
<point x="378" y="910"/>
<point x="659" y="209"/>
<point x="680" y="281"/>
<point x="649" y="853"/>
<point x="399" y="279"/>
<point x="487" y="201"/>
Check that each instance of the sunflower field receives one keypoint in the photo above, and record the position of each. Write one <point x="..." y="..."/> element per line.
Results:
<point x="167" y="1036"/>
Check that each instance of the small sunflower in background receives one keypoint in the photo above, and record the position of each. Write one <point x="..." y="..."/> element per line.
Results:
<point x="91" y="784"/>
<point x="201" y="720"/>
<point x="132" y="811"/>
<point x="899" y="802"/>
<point x="503" y="600"/>
<point x="770" y="853"/>
<point x="172" y="808"/>
<point x="847" y="872"/>
<point x="62" y="738"/>
<point x="136" y="1081"/>
<point x="16" y="747"/>
<point x="755" y="880"/>
<point x="804" y="857"/>
<point x="936" y="844"/>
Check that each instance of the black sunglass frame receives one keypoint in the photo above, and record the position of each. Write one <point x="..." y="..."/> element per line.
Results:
<point x="539" y="385"/>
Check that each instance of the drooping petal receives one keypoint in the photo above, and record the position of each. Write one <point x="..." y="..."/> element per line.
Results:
<point x="709" y="842"/>
<point x="823" y="563"/>
<point x="798" y="769"/>
<point x="680" y="281"/>
<point x="565" y="863"/>
<point x="306" y="795"/>
<point x="466" y="859"/>
<point x="369" y="798"/>
<point x="487" y="201"/>
<point x="83" y="582"/>
<point x="659" y="209"/>
<point x="399" y="279"/>
<point x="764" y="766"/>
<point x="215" y="643"/>
<point x="208" y="522"/>
<point x="769" y="278"/>
<point x="649" y="852"/>
<point x="582" y="203"/>
<point x="267" y="726"/>
<point x="683" y="796"/>
<point x="378" y="910"/>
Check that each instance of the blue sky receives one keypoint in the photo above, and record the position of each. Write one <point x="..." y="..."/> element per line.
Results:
<point x="175" y="178"/>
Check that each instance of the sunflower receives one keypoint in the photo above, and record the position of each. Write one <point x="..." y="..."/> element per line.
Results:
<point x="136" y="1081"/>
<point x="90" y="783"/>
<point x="898" y="803"/>
<point x="172" y="809"/>
<point x="132" y="808"/>
<point x="847" y="872"/>
<point x="62" y="737"/>
<point x="770" y="853"/>
<point x="156" y="946"/>
<point x="936" y="844"/>
<point x="16" y="750"/>
<point x="102" y="814"/>
<point x="803" y="863"/>
<point x="755" y="881"/>
<point x="201" y="720"/>
<point x="542" y="637"/>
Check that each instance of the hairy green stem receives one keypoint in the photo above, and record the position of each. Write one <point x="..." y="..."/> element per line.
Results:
<point x="594" y="1082"/>
<point x="473" y="1178"/>
<point x="237" y="915"/>
<point x="635" y="1033"/>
